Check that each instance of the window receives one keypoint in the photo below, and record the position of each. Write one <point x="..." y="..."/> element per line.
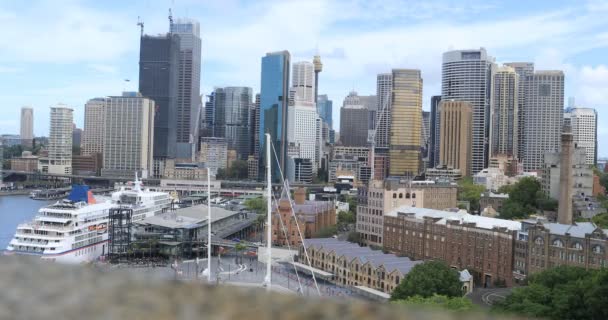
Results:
<point x="597" y="249"/>
<point x="577" y="246"/>
<point x="558" y="243"/>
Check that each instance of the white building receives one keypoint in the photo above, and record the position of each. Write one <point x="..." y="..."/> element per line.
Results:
<point x="128" y="136"/>
<point x="60" y="140"/>
<point x="492" y="179"/>
<point x="214" y="154"/>
<point x="584" y="130"/>
<point x="582" y="174"/>
<point x="92" y="140"/>
<point x="303" y="82"/>
<point x="302" y="130"/>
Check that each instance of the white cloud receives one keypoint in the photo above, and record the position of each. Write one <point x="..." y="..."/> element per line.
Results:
<point x="5" y="69"/>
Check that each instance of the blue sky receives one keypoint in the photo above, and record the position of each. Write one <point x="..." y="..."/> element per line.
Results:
<point x="69" y="50"/>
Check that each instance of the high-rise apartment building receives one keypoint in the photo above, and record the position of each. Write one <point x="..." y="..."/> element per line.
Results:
<point x="274" y="93"/>
<point x="325" y="109"/>
<point x="303" y="82"/>
<point x="354" y="125"/>
<point x="406" y="123"/>
<point x="213" y="153"/>
<point x="384" y="87"/>
<point x="27" y="126"/>
<point x="466" y="76"/>
<point x="188" y="88"/>
<point x="504" y="110"/>
<point x="159" y="58"/>
<point x="94" y="124"/>
<point x="583" y="122"/>
<point x="76" y="136"/>
<point x="523" y="70"/>
<point x="455" y="146"/>
<point x="60" y="140"/>
<point x="425" y="134"/>
<point x="232" y="106"/>
<point x="128" y="136"/>
<point x="434" y="132"/>
<point x="544" y="109"/>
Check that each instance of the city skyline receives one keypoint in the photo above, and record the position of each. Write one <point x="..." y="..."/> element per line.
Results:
<point x="75" y="69"/>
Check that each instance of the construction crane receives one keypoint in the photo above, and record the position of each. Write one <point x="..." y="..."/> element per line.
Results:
<point x="140" y="23"/>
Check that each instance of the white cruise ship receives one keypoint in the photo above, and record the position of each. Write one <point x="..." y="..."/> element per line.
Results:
<point x="75" y="230"/>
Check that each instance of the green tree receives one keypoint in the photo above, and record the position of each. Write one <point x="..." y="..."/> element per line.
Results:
<point x="525" y="192"/>
<point x="601" y="220"/>
<point x="258" y="205"/>
<point x="562" y="292"/>
<point x="326" y="232"/>
<point x="512" y="210"/>
<point x="507" y="188"/>
<point x="346" y="217"/>
<point x="239" y="248"/>
<point x="427" y="279"/>
<point x="436" y="301"/>
<point x="354" y="237"/>
<point x="471" y="192"/>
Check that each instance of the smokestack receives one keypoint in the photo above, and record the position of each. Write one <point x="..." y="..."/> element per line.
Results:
<point x="564" y="213"/>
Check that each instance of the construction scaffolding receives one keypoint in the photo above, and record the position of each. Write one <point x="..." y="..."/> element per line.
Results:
<point x="119" y="235"/>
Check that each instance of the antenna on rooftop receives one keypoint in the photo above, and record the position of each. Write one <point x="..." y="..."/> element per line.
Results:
<point x="140" y="23"/>
<point x="170" y="20"/>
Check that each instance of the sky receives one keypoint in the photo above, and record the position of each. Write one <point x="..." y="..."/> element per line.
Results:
<point x="69" y="51"/>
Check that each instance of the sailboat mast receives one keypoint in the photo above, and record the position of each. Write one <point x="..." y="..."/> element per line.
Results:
<point x="268" y="279"/>
<point x="209" y="225"/>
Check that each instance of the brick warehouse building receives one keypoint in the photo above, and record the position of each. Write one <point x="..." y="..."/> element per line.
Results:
<point x="483" y="245"/>
<point x="312" y="216"/>
<point x="541" y="245"/>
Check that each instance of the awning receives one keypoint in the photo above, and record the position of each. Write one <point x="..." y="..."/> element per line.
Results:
<point x="372" y="293"/>
<point x="309" y="270"/>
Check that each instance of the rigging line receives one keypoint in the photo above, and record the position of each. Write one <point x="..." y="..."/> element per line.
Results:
<point x="286" y="186"/>
<point x="288" y="246"/>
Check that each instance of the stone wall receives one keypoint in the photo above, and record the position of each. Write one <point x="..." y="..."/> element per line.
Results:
<point x="35" y="290"/>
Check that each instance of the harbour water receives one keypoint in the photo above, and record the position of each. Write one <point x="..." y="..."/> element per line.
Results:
<point x="13" y="211"/>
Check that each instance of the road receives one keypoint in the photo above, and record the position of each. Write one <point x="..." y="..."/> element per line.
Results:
<point x="488" y="296"/>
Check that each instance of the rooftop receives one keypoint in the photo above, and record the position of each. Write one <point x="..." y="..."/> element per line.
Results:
<point x="462" y="216"/>
<point x="187" y="217"/>
<point x="353" y="251"/>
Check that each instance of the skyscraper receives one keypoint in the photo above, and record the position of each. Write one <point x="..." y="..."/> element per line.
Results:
<point x="406" y="123"/>
<point x="466" y="76"/>
<point x="128" y="136"/>
<point x="325" y="109"/>
<point x="455" y="149"/>
<point x="384" y="85"/>
<point x="274" y="93"/>
<point x="504" y="109"/>
<point x="189" y="83"/>
<point x="254" y="127"/>
<point x="583" y="122"/>
<point x="544" y="109"/>
<point x="302" y="132"/>
<point x="27" y="126"/>
<point x="76" y="136"/>
<point x="354" y="122"/>
<point x="159" y="58"/>
<point x="371" y="104"/>
<point x="60" y="140"/>
<point x="92" y="140"/>
<point x="425" y="135"/>
<point x="435" y="132"/>
<point x="232" y="106"/>
<point x="523" y="70"/>
<point x="303" y="82"/>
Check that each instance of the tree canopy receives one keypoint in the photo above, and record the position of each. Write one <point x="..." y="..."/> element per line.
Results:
<point x="525" y="197"/>
<point x="258" y="205"/>
<point x="471" y="192"/>
<point x="237" y="171"/>
<point x="428" y="279"/>
<point x="563" y="292"/>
